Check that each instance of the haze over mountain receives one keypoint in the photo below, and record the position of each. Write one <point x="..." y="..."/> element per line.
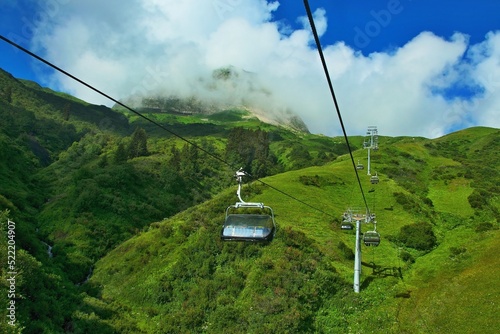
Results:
<point x="226" y="88"/>
<point x="419" y="67"/>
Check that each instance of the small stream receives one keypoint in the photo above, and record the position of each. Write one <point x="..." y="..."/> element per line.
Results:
<point x="89" y="275"/>
<point x="50" y="255"/>
<point x="49" y="250"/>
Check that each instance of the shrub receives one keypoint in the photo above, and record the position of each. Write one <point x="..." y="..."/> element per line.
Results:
<point x="346" y="251"/>
<point x="483" y="227"/>
<point x="166" y="230"/>
<point x="418" y="236"/>
<point x="428" y="202"/>
<point x="477" y="199"/>
<point x="406" y="202"/>
<point x="406" y="257"/>
<point x="310" y="180"/>
<point x="456" y="251"/>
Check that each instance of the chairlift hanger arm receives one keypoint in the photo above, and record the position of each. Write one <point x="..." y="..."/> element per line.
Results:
<point x="242" y="204"/>
<point x="240" y="225"/>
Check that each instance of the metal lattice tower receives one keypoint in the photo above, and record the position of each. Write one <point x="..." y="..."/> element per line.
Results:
<point x="371" y="143"/>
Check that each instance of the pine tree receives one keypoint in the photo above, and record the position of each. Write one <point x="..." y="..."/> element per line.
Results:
<point x="120" y="154"/>
<point x="103" y="161"/>
<point x="66" y="111"/>
<point x="175" y="158"/>
<point x="138" y="146"/>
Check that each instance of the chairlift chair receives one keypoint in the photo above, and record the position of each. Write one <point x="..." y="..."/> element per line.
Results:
<point x="246" y="221"/>
<point x="371" y="238"/>
<point x="346" y="221"/>
<point x="346" y="226"/>
<point x="360" y="165"/>
<point x="374" y="179"/>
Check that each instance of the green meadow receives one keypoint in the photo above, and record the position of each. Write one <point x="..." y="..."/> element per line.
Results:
<point x="118" y="223"/>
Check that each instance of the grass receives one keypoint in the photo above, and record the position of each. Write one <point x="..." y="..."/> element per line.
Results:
<point x="457" y="204"/>
<point x="437" y="293"/>
<point x="177" y="272"/>
<point x="455" y="294"/>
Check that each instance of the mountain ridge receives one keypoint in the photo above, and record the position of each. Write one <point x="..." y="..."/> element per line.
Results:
<point x="228" y="88"/>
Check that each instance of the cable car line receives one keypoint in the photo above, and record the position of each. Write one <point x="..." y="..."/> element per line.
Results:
<point x="295" y="198"/>
<point x="332" y="92"/>
<point x="110" y="97"/>
<point x="153" y="121"/>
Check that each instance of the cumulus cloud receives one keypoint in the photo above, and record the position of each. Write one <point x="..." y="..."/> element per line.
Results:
<point x="485" y="71"/>
<point x="172" y="47"/>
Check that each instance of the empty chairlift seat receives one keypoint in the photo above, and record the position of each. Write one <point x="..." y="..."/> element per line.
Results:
<point x="371" y="238"/>
<point x="346" y="226"/>
<point x="247" y="221"/>
<point x="248" y="227"/>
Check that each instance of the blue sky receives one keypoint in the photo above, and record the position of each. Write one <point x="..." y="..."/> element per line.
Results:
<point x="411" y="67"/>
<point x="406" y="19"/>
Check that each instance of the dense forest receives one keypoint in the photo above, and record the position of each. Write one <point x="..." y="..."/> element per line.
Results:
<point x="117" y="224"/>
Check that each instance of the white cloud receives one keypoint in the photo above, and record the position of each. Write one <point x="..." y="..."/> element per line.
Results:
<point x="172" y="46"/>
<point x="485" y="71"/>
<point x="392" y="91"/>
<point x="320" y="21"/>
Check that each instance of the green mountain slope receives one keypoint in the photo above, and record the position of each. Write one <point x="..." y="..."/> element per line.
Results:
<point x="118" y="223"/>
<point x="79" y="179"/>
<point x="179" y="277"/>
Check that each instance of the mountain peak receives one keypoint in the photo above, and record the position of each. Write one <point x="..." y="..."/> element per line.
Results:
<point x="227" y="88"/>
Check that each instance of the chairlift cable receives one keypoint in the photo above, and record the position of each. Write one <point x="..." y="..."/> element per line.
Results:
<point x="332" y="92"/>
<point x="295" y="198"/>
<point x="374" y="201"/>
<point x="152" y="121"/>
<point x="111" y="98"/>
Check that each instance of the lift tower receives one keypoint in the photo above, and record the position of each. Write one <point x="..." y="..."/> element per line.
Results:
<point x="349" y="217"/>
<point x="371" y="143"/>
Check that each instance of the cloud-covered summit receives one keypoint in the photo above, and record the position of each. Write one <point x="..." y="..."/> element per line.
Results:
<point x="151" y="46"/>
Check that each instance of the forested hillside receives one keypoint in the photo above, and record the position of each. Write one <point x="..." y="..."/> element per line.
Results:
<point x="118" y="224"/>
<point x="79" y="179"/>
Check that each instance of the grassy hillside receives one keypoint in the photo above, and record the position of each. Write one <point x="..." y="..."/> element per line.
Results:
<point x="118" y="223"/>
<point x="180" y="277"/>
<point x="80" y="179"/>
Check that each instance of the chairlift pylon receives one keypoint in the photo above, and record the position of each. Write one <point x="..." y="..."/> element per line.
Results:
<point x="247" y="221"/>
